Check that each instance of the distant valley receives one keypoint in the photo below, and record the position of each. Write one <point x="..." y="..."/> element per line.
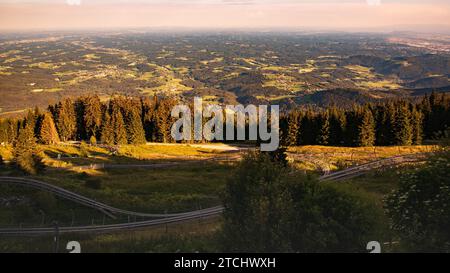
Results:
<point x="289" y="69"/>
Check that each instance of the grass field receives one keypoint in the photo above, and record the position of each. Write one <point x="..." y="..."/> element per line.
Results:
<point x="193" y="185"/>
<point x="315" y="158"/>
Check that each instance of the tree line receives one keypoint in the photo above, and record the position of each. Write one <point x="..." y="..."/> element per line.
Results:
<point x="127" y="120"/>
<point x="388" y="123"/>
<point x="121" y="120"/>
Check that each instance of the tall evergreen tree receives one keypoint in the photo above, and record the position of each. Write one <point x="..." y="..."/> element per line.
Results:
<point x="25" y="150"/>
<point x="135" y="130"/>
<point x="417" y="126"/>
<point x="92" y="116"/>
<point x="292" y="129"/>
<point x="323" y="137"/>
<point x="337" y="126"/>
<point x="366" y="128"/>
<point x="120" y="132"/>
<point x="66" y="120"/>
<point x="148" y="116"/>
<point x="48" y="133"/>
<point x="403" y="132"/>
<point x="107" y="131"/>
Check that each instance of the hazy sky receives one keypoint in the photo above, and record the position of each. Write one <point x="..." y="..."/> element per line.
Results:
<point x="321" y="14"/>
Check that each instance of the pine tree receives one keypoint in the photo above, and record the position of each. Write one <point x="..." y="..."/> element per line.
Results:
<point x="25" y="151"/>
<point x="66" y="120"/>
<point x="337" y="126"/>
<point x="3" y="131"/>
<point x="366" y="129"/>
<point x="148" y="113"/>
<point x="417" y="126"/>
<point x="307" y="129"/>
<point x="351" y="128"/>
<point x="163" y="121"/>
<point x="48" y="133"/>
<point x="403" y="132"/>
<point x="12" y="130"/>
<point x="135" y="130"/>
<point x="120" y="132"/>
<point x="92" y="116"/>
<point x="107" y="132"/>
<point x="292" y="129"/>
<point x="324" y="132"/>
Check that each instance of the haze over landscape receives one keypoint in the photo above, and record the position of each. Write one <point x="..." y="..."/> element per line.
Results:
<point x="350" y="15"/>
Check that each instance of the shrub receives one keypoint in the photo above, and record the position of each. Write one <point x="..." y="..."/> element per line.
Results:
<point x="420" y="208"/>
<point x="84" y="152"/>
<point x="95" y="184"/>
<point x="93" y="140"/>
<point x="266" y="210"/>
<point x="45" y="201"/>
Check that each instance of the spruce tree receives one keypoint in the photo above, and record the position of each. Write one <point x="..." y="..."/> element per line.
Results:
<point x="337" y="126"/>
<point x="417" y="126"/>
<point x="48" y="133"/>
<point x="25" y="151"/>
<point x="324" y="132"/>
<point x="66" y="120"/>
<point x="148" y="113"/>
<point x="135" y="130"/>
<point x="403" y="132"/>
<point x="92" y="116"/>
<point x="107" y="132"/>
<point x="120" y="132"/>
<point x="293" y="127"/>
<point x="366" y="129"/>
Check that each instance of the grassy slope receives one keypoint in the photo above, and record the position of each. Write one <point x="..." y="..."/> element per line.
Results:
<point x="184" y="187"/>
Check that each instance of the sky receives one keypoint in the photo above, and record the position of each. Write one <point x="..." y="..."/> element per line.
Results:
<point x="366" y="15"/>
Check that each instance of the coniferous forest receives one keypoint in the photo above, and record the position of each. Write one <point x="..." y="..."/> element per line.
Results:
<point x="127" y="120"/>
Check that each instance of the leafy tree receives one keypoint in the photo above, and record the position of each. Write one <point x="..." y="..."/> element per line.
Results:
<point x="266" y="210"/>
<point x="48" y="133"/>
<point x="420" y="208"/>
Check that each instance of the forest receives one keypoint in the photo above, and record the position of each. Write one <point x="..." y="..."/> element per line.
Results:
<point x="129" y="120"/>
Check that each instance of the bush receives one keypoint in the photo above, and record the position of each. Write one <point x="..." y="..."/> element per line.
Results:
<point x="93" y="141"/>
<point x="420" y="208"/>
<point x="95" y="184"/>
<point x="84" y="151"/>
<point x="266" y="210"/>
<point x="45" y="201"/>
